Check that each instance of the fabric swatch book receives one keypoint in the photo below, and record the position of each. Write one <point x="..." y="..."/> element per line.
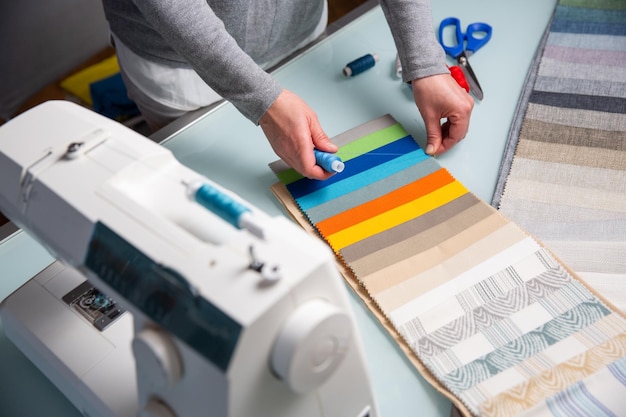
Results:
<point x="485" y="312"/>
<point x="569" y="137"/>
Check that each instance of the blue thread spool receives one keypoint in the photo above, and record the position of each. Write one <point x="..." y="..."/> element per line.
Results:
<point x="221" y="204"/>
<point x="360" y="65"/>
<point x="225" y="206"/>
<point x="330" y="162"/>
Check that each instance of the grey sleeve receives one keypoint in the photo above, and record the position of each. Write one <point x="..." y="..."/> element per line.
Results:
<point x="411" y="25"/>
<point x="194" y="31"/>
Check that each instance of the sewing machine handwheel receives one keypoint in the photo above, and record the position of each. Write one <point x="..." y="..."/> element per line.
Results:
<point x="157" y="358"/>
<point x="311" y="345"/>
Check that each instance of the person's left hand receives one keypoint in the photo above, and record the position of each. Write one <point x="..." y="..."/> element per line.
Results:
<point x="440" y="97"/>
<point x="293" y="130"/>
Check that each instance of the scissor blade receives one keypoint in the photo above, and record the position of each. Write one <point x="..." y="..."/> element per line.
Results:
<point x="470" y="76"/>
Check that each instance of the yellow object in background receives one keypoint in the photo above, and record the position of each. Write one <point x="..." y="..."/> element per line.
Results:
<point x="78" y="84"/>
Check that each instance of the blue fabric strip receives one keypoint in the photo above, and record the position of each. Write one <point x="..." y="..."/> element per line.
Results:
<point x="581" y="14"/>
<point x="613" y="29"/>
<point x="578" y="101"/>
<point x="521" y="348"/>
<point x="577" y="401"/>
<point x="356" y="166"/>
<point x="618" y="369"/>
<point x="372" y="191"/>
<point x="360" y="180"/>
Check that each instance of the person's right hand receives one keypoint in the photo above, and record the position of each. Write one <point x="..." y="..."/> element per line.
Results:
<point x="293" y="131"/>
<point x="440" y="97"/>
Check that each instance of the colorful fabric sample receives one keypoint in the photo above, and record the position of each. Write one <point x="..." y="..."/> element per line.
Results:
<point x="491" y="314"/>
<point x="566" y="184"/>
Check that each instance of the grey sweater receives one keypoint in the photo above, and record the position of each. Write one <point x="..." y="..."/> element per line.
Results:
<point x="222" y="39"/>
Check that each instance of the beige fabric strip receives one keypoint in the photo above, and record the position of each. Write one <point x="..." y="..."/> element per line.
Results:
<point x="395" y="274"/>
<point x="541" y="131"/>
<point x="422" y="233"/>
<point x="575" y="117"/>
<point x="594" y="157"/>
<point x="446" y="261"/>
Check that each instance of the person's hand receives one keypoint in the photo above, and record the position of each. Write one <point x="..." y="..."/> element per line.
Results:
<point x="293" y="130"/>
<point x="440" y="97"/>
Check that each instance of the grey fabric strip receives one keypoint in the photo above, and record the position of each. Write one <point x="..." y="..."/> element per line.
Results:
<point x="409" y="229"/>
<point x="567" y="182"/>
<point x="579" y="71"/>
<point x="445" y="228"/>
<point x="574" y="136"/>
<point x="577" y="40"/>
<point x="579" y="101"/>
<point x="578" y="118"/>
<point x="364" y="130"/>
<point x="587" y="87"/>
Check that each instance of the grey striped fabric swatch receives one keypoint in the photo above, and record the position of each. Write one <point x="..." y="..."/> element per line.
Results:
<point x="567" y="181"/>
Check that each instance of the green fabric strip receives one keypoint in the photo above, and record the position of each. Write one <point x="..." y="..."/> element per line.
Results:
<point x="372" y="141"/>
<point x="359" y="147"/>
<point x="364" y="130"/>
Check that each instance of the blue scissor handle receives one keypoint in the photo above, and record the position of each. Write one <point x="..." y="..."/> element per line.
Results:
<point x="456" y="49"/>
<point x="474" y="43"/>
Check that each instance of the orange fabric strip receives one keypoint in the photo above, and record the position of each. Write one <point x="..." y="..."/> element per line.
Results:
<point x="385" y="203"/>
<point x="396" y="216"/>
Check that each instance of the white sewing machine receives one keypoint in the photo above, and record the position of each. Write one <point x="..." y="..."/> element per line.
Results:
<point x="171" y="296"/>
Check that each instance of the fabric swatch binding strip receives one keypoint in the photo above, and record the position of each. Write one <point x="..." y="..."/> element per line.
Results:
<point x="496" y="322"/>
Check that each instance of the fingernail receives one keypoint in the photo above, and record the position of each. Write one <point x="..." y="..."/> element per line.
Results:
<point x="430" y="149"/>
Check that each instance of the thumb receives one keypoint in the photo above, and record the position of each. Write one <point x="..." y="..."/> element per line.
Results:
<point x="433" y="135"/>
<point x="320" y="140"/>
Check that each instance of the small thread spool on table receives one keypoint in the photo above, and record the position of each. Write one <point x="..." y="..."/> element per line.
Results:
<point x="360" y="65"/>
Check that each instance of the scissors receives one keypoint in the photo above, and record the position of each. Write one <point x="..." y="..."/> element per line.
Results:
<point x="476" y="36"/>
